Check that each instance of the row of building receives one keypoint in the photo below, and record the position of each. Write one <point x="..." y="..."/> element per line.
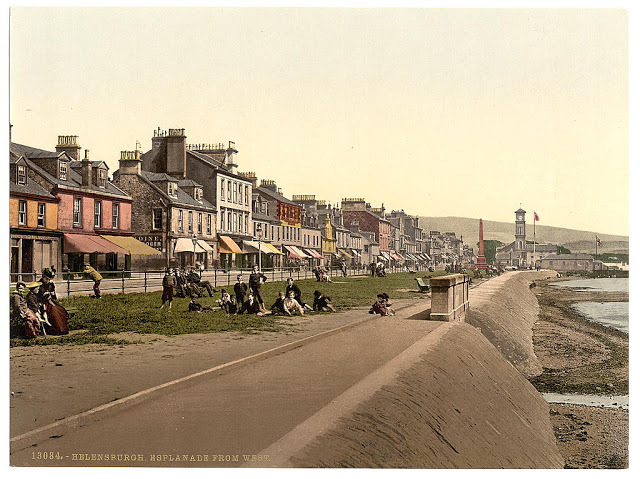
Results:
<point x="180" y="204"/>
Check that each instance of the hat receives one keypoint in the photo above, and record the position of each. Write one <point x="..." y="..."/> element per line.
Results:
<point x="49" y="273"/>
<point x="20" y="284"/>
<point x="33" y="284"/>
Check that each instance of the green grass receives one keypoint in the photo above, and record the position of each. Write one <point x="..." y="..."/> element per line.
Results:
<point x="139" y="313"/>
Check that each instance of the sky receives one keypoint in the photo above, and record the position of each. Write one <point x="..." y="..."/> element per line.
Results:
<point x="441" y="112"/>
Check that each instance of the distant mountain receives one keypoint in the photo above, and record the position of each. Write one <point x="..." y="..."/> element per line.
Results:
<point x="575" y="240"/>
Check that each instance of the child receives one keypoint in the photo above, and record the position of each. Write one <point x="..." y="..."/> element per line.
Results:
<point x="291" y="305"/>
<point x="225" y="302"/>
<point x="195" y="307"/>
<point x="278" y="306"/>
<point x="322" y="303"/>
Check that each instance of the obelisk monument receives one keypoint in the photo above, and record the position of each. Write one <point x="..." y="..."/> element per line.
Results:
<point x="481" y="262"/>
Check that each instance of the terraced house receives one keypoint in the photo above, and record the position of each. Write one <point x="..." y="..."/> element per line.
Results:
<point x="93" y="214"/>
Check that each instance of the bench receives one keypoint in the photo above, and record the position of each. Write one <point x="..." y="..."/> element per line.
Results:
<point x="424" y="287"/>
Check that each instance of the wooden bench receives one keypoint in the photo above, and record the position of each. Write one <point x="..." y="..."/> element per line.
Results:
<point x="424" y="287"/>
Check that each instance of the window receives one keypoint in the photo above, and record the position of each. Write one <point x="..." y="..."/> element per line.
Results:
<point x="246" y="223"/>
<point x="102" y="178"/>
<point x="157" y="218"/>
<point x="235" y="222"/>
<point x="115" y="216"/>
<point x="77" y="211"/>
<point x="209" y="224"/>
<point x="22" y="212"/>
<point x="97" y="214"/>
<point x="246" y="194"/>
<point x="199" y="223"/>
<point x="180" y="221"/>
<point x="190" y="225"/>
<point x="41" y="214"/>
<point x="235" y="192"/>
<point x="240" y="194"/>
<point x="63" y="170"/>
<point x="222" y="190"/>
<point x="222" y="219"/>
<point x="173" y="189"/>
<point x="229" y="190"/>
<point x="21" y="175"/>
<point x="229" y="221"/>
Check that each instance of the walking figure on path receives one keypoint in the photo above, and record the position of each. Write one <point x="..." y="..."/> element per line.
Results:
<point x="96" y="277"/>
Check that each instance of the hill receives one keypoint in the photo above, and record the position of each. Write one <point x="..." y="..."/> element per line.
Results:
<point x="575" y="240"/>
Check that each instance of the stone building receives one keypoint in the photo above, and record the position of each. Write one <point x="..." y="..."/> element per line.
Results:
<point x="357" y="210"/>
<point x="570" y="262"/>
<point x="94" y="215"/>
<point x="214" y="167"/>
<point x="169" y="214"/>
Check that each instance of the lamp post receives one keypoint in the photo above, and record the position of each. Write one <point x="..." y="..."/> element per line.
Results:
<point x="259" y="235"/>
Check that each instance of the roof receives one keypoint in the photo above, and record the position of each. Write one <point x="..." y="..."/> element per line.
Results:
<point x="187" y="182"/>
<point x="94" y="163"/>
<point x="520" y="210"/>
<point x="276" y="196"/>
<point x="31" y="188"/>
<point x="207" y="158"/>
<point x="74" y="178"/>
<point x="569" y="256"/>
<point x="182" y="197"/>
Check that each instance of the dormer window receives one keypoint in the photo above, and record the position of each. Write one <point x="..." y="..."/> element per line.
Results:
<point x="198" y="194"/>
<point x="63" y="170"/>
<point x="173" y="190"/>
<point x="102" y="178"/>
<point x="21" y="173"/>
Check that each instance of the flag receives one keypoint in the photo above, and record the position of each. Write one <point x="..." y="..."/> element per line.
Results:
<point x="535" y="216"/>
<point x="597" y="241"/>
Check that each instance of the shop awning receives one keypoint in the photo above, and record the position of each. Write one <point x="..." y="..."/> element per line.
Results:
<point x="273" y="249"/>
<point x="228" y="246"/>
<point x="345" y="253"/>
<point x="292" y="252"/>
<point x="314" y="253"/>
<point x="426" y="256"/>
<point x="386" y="255"/>
<point x="79" y="243"/>
<point x="205" y="246"/>
<point x="187" y="245"/>
<point x="395" y="256"/>
<point x="356" y="253"/>
<point x="254" y="246"/>
<point x="301" y="253"/>
<point x="132" y="245"/>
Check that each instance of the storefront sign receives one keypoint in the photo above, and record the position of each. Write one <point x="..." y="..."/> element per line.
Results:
<point x="155" y="241"/>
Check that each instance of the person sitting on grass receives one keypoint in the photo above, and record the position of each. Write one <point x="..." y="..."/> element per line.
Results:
<point x="278" y="306"/>
<point x="291" y="286"/>
<point x="251" y="306"/>
<point x="291" y="305"/>
<point x="195" y="307"/>
<point x="390" y="310"/>
<point x="380" y="306"/>
<point x="322" y="303"/>
<point x="226" y="304"/>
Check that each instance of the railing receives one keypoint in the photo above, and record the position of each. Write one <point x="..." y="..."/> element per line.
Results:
<point x="72" y="283"/>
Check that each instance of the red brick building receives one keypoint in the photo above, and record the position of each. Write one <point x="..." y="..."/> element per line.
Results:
<point x="356" y="210"/>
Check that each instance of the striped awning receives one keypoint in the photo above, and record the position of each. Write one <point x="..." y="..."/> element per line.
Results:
<point x="255" y="246"/>
<point x="345" y="253"/>
<point x="273" y="249"/>
<point x="79" y="243"/>
<point x="228" y="246"/>
<point x="313" y="253"/>
<point x="188" y="245"/>
<point x="356" y="253"/>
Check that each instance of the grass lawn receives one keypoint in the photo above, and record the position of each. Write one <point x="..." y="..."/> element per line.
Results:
<point x="139" y="313"/>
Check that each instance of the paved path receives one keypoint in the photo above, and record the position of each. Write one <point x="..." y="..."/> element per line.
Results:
<point x="235" y="410"/>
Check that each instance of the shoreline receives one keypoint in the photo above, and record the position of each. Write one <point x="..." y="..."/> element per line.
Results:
<point x="583" y="357"/>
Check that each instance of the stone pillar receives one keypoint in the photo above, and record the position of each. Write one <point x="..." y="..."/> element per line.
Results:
<point x="449" y="297"/>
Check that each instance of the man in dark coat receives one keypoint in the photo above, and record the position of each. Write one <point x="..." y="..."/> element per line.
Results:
<point x="256" y="278"/>
<point x="250" y="306"/>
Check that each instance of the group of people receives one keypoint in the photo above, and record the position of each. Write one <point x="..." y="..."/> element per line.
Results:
<point x="382" y="306"/>
<point x="377" y="269"/>
<point x="35" y="310"/>
<point x="322" y="274"/>
<point x="287" y="303"/>
<point x="184" y="284"/>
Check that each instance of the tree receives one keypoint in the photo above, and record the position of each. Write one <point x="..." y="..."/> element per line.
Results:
<point x="563" y="250"/>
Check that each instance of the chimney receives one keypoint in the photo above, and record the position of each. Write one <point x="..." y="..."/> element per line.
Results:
<point x="69" y="145"/>
<point x="251" y="176"/>
<point x="130" y="163"/>
<point x="269" y="185"/>
<point x="176" y="153"/>
<point x="230" y="157"/>
<point x="86" y="169"/>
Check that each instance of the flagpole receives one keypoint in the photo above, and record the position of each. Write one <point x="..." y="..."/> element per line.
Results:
<point x="596" y="258"/>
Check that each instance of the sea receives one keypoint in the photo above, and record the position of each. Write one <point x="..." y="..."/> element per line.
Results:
<point x="614" y="314"/>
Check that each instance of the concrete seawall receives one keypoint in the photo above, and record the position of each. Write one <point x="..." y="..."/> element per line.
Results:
<point x="505" y="309"/>
<point x="461" y="405"/>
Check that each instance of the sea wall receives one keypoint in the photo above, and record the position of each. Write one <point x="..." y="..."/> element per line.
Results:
<point x="505" y="309"/>
<point x="460" y="405"/>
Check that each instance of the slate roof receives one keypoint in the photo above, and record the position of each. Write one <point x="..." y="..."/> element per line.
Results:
<point x="183" y="198"/>
<point x="275" y="195"/>
<point x="31" y="188"/>
<point x="570" y="256"/>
